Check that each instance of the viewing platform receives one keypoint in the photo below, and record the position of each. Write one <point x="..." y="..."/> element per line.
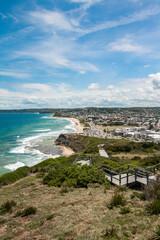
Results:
<point x="130" y="174"/>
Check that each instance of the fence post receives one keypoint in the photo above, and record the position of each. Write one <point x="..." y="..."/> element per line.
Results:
<point x="147" y="175"/>
<point x="119" y="179"/>
<point x="135" y="174"/>
<point x="127" y="178"/>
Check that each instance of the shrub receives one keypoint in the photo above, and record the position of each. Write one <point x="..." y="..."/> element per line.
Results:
<point x="157" y="234"/>
<point x="122" y="189"/>
<point x="7" y="207"/>
<point x="152" y="192"/>
<point x="49" y="217"/>
<point x="110" y="231"/>
<point x="28" y="211"/>
<point x="34" y="225"/>
<point x="75" y="176"/>
<point x="154" y="207"/>
<point x="125" y="210"/>
<point x="117" y="200"/>
<point x="141" y="196"/>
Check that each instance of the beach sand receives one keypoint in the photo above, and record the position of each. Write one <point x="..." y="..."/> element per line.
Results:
<point x="79" y="128"/>
<point x="66" y="151"/>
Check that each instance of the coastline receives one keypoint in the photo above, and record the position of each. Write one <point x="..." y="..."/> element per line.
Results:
<point x="78" y="126"/>
<point x="66" y="151"/>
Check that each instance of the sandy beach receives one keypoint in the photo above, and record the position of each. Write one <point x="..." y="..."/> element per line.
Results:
<point x="66" y="151"/>
<point x="79" y="128"/>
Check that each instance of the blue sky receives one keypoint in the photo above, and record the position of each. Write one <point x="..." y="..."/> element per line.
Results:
<point x="78" y="53"/>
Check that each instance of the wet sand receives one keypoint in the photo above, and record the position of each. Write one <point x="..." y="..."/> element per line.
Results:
<point x="78" y="126"/>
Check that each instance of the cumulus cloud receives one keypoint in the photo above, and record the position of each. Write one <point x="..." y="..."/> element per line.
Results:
<point x="93" y="86"/>
<point x="155" y="80"/>
<point x="63" y="95"/>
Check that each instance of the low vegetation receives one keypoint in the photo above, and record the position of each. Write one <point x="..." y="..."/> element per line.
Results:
<point x="7" y="207"/>
<point x="117" y="200"/>
<point x="57" y="199"/>
<point x="74" y="214"/>
<point x="75" y="176"/>
<point x="28" y="211"/>
<point x="14" y="176"/>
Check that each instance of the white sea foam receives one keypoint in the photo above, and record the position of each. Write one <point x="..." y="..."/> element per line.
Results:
<point x="14" y="166"/>
<point x="42" y="130"/>
<point x="27" y="145"/>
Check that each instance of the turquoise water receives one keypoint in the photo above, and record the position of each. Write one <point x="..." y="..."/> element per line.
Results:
<point x="27" y="139"/>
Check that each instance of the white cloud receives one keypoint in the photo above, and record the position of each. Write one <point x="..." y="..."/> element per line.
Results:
<point x="63" y="95"/>
<point x="93" y="86"/>
<point x="155" y="80"/>
<point x="147" y="66"/>
<point x="57" y="52"/>
<point x="37" y="86"/>
<point x="110" y="87"/>
<point x="126" y="45"/>
<point x="135" y="17"/>
<point x="14" y="74"/>
<point x="86" y="3"/>
<point x="3" y="15"/>
<point x="52" y="19"/>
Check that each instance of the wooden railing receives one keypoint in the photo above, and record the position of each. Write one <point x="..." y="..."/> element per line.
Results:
<point x="129" y="173"/>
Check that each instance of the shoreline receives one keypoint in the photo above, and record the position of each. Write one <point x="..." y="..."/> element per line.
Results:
<point x="66" y="151"/>
<point x="78" y="126"/>
<point x="51" y="149"/>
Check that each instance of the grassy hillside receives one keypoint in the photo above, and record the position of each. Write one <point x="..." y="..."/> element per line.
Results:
<point x="71" y="213"/>
<point x="57" y="200"/>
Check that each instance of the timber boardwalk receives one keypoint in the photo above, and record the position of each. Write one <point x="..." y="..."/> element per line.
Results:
<point x="130" y="174"/>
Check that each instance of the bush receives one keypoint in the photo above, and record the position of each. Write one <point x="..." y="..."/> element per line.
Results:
<point x="157" y="234"/>
<point x="141" y="196"/>
<point x="75" y="176"/>
<point x="34" y="225"/>
<point x="7" y="207"/>
<point x="28" y="211"/>
<point x="154" y="207"/>
<point x="109" y="232"/>
<point x="49" y="217"/>
<point x="125" y="210"/>
<point x="117" y="200"/>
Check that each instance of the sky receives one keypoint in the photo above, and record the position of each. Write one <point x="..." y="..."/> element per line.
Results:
<point x="79" y="53"/>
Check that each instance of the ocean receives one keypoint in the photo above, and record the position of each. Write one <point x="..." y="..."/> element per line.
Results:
<point x="27" y="139"/>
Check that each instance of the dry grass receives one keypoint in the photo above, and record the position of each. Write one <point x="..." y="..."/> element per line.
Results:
<point x="77" y="214"/>
<point x="129" y="155"/>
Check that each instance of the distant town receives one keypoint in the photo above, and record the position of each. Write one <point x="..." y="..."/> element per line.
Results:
<point x="138" y="124"/>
